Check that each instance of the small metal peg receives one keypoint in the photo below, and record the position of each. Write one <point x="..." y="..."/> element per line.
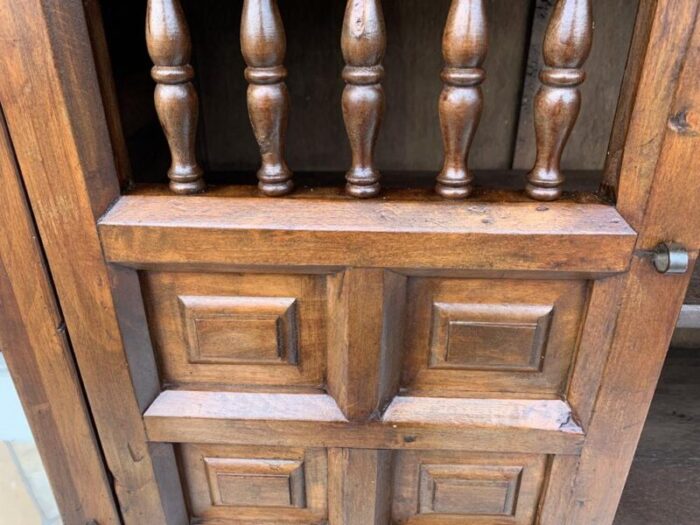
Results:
<point x="670" y="257"/>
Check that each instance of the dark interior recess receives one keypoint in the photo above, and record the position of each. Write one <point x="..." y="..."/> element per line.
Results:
<point x="410" y="136"/>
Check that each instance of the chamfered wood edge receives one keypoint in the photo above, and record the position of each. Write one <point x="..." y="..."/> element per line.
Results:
<point x="540" y="426"/>
<point x="142" y="230"/>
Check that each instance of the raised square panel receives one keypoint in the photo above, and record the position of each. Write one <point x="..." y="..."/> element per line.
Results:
<point x="489" y="336"/>
<point x="237" y="330"/>
<point x="502" y="336"/>
<point x="256" y="484"/>
<point x="240" y="329"/>
<point x="468" y="489"/>
<point x="444" y="487"/>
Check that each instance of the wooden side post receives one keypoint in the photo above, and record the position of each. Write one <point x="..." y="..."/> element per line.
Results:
<point x="63" y="150"/>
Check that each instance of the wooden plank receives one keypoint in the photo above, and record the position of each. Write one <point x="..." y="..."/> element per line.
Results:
<point x="359" y="486"/>
<point x="543" y="426"/>
<point x="150" y="230"/>
<point x="587" y="147"/>
<point x="365" y="339"/>
<point x="635" y="154"/>
<point x="52" y="101"/>
<point x="40" y="360"/>
<point x="651" y="301"/>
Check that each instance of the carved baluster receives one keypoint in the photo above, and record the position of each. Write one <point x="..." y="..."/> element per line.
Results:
<point x="168" y="40"/>
<point x="363" y="45"/>
<point x="264" y="44"/>
<point x="558" y="101"/>
<point x="464" y="46"/>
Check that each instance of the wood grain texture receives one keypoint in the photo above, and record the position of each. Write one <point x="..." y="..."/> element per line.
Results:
<point x="464" y="46"/>
<point x="567" y="44"/>
<point x="647" y="103"/>
<point x="254" y="329"/>
<point x="451" y="488"/>
<point x="62" y="145"/>
<point x="642" y="334"/>
<point x="143" y="230"/>
<point x="35" y="346"/>
<point x="500" y="305"/>
<point x="264" y="44"/>
<point x="177" y="104"/>
<point x="542" y="426"/>
<point x="255" y="484"/>
<point x="364" y="44"/>
<point x="365" y="337"/>
<point x="359" y="486"/>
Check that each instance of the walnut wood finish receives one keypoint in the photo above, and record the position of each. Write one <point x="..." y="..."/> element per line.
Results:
<point x="233" y="268"/>
<point x="464" y="47"/>
<point x="363" y="44"/>
<point x="146" y="230"/>
<point x="36" y="348"/>
<point x="168" y="40"/>
<point x="263" y="44"/>
<point x="567" y="44"/>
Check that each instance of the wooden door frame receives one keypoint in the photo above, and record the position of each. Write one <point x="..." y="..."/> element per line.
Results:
<point x="56" y="118"/>
<point x="35" y="344"/>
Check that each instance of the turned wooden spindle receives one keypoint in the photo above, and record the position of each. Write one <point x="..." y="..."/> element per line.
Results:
<point x="567" y="44"/>
<point x="464" y="46"/>
<point x="363" y="44"/>
<point x="264" y="44"/>
<point x="168" y="40"/>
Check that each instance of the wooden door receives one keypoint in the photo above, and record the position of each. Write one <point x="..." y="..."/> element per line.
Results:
<point x="416" y="358"/>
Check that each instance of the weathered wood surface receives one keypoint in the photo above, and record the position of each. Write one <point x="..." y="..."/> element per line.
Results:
<point x="542" y="426"/>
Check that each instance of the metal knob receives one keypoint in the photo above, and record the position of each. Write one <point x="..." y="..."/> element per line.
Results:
<point x="670" y="257"/>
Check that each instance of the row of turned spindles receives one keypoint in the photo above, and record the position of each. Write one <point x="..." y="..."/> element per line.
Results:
<point x="465" y="42"/>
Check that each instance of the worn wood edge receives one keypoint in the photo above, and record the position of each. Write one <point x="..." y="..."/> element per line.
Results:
<point x="543" y="426"/>
<point x="142" y="230"/>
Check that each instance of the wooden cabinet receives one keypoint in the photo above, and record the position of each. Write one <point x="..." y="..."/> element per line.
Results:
<point x="377" y="351"/>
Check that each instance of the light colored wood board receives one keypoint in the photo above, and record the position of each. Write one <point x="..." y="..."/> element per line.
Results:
<point x="38" y="354"/>
<point x="410" y="135"/>
<point x="315" y="420"/>
<point x="191" y="230"/>
<point x="587" y="147"/>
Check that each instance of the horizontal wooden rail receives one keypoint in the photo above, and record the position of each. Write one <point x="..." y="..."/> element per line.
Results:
<point x="151" y="230"/>
<point x="310" y="420"/>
